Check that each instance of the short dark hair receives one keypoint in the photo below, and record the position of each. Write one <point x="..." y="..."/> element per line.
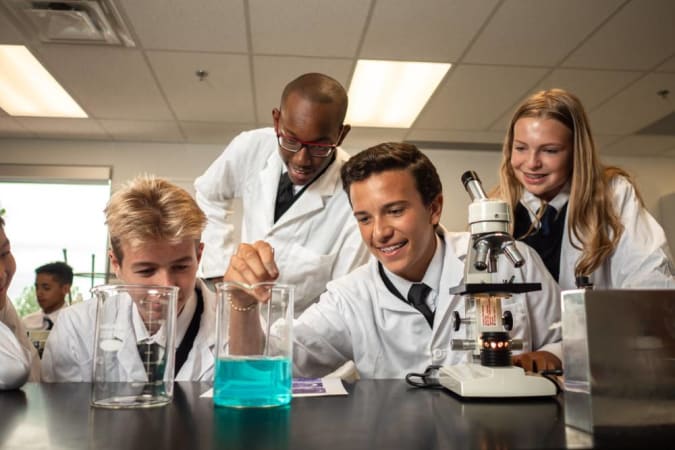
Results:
<point x="394" y="156"/>
<point x="318" y="88"/>
<point x="61" y="271"/>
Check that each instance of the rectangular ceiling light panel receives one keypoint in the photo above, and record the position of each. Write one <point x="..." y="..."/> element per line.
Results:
<point x="391" y="93"/>
<point x="27" y="89"/>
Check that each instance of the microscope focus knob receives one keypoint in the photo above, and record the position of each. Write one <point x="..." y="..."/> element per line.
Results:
<point x="507" y="320"/>
<point x="456" y="321"/>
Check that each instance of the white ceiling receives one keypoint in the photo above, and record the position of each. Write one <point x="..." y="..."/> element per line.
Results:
<point x="614" y="54"/>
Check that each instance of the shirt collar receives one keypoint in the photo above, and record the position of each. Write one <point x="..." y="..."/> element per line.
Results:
<point x="52" y="315"/>
<point x="532" y="203"/>
<point x="296" y="188"/>
<point x="432" y="277"/>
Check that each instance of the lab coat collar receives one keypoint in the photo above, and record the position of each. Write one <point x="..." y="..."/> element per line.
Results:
<point x="456" y="246"/>
<point x="452" y="275"/>
<point x="268" y="181"/>
<point x="313" y="199"/>
<point x="431" y="278"/>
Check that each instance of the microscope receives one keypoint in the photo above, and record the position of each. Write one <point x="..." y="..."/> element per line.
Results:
<point x="490" y="372"/>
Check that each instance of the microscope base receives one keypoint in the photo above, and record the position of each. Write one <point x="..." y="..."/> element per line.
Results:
<point x="474" y="380"/>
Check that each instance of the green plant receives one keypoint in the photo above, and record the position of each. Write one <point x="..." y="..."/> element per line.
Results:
<point x="26" y="302"/>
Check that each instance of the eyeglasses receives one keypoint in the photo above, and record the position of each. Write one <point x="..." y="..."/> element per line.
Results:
<point x="316" y="149"/>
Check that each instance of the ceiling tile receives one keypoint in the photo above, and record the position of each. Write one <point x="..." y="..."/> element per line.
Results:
<point x="605" y="140"/>
<point x="640" y="146"/>
<point x="433" y="30"/>
<point x="491" y="137"/>
<point x="63" y="128"/>
<point x="591" y="86"/>
<point x="638" y="37"/>
<point x="325" y="28"/>
<point x="273" y="73"/>
<point x="361" y="138"/>
<point x="665" y="126"/>
<point x="212" y="132"/>
<point x="109" y="83"/>
<point x="207" y="25"/>
<point x="532" y="32"/>
<point x="635" y="107"/>
<point x="10" y="127"/>
<point x="223" y="96"/>
<point x="668" y="66"/>
<point x="502" y="124"/>
<point x="142" y="130"/>
<point x="9" y="34"/>
<point x="472" y="97"/>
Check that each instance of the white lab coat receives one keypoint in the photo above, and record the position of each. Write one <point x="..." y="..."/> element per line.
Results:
<point x="36" y="320"/>
<point x="68" y="355"/>
<point x="14" y="360"/>
<point x="642" y="258"/>
<point x="315" y="241"/>
<point x="19" y="360"/>
<point x="359" y="319"/>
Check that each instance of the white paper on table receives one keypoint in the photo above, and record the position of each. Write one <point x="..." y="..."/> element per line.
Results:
<point x="309" y="387"/>
<point x="318" y="387"/>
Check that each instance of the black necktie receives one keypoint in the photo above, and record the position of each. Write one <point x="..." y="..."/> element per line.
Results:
<point x="152" y="359"/>
<point x="285" y="196"/>
<point x="547" y="220"/>
<point x="185" y="346"/>
<point x="416" y="297"/>
<point x="48" y="324"/>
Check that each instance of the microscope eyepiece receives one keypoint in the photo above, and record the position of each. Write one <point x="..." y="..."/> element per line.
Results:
<point x="473" y="185"/>
<point x="469" y="175"/>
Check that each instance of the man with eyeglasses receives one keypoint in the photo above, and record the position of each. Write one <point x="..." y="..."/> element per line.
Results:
<point x="288" y="178"/>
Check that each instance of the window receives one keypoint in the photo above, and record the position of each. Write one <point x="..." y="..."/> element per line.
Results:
<point x="55" y="213"/>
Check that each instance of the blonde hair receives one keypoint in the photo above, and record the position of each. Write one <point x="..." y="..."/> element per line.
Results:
<point x="149" y="209"/>
<point x="593" y="221"/>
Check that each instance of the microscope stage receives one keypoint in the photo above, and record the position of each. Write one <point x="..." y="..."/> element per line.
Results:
<point x="499" y="289"/>
<point x="475" y="380"/>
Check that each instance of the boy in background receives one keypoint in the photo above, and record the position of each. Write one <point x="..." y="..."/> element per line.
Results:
<point x="52" y="284"/>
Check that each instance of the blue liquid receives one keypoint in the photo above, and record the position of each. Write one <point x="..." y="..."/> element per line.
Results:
<point x="252" y="382"/>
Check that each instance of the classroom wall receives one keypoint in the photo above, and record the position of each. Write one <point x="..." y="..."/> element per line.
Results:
<point x="181" y="163"/>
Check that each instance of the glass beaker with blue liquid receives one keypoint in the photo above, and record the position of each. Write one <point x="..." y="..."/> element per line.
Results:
<point x="254" y="345"/>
